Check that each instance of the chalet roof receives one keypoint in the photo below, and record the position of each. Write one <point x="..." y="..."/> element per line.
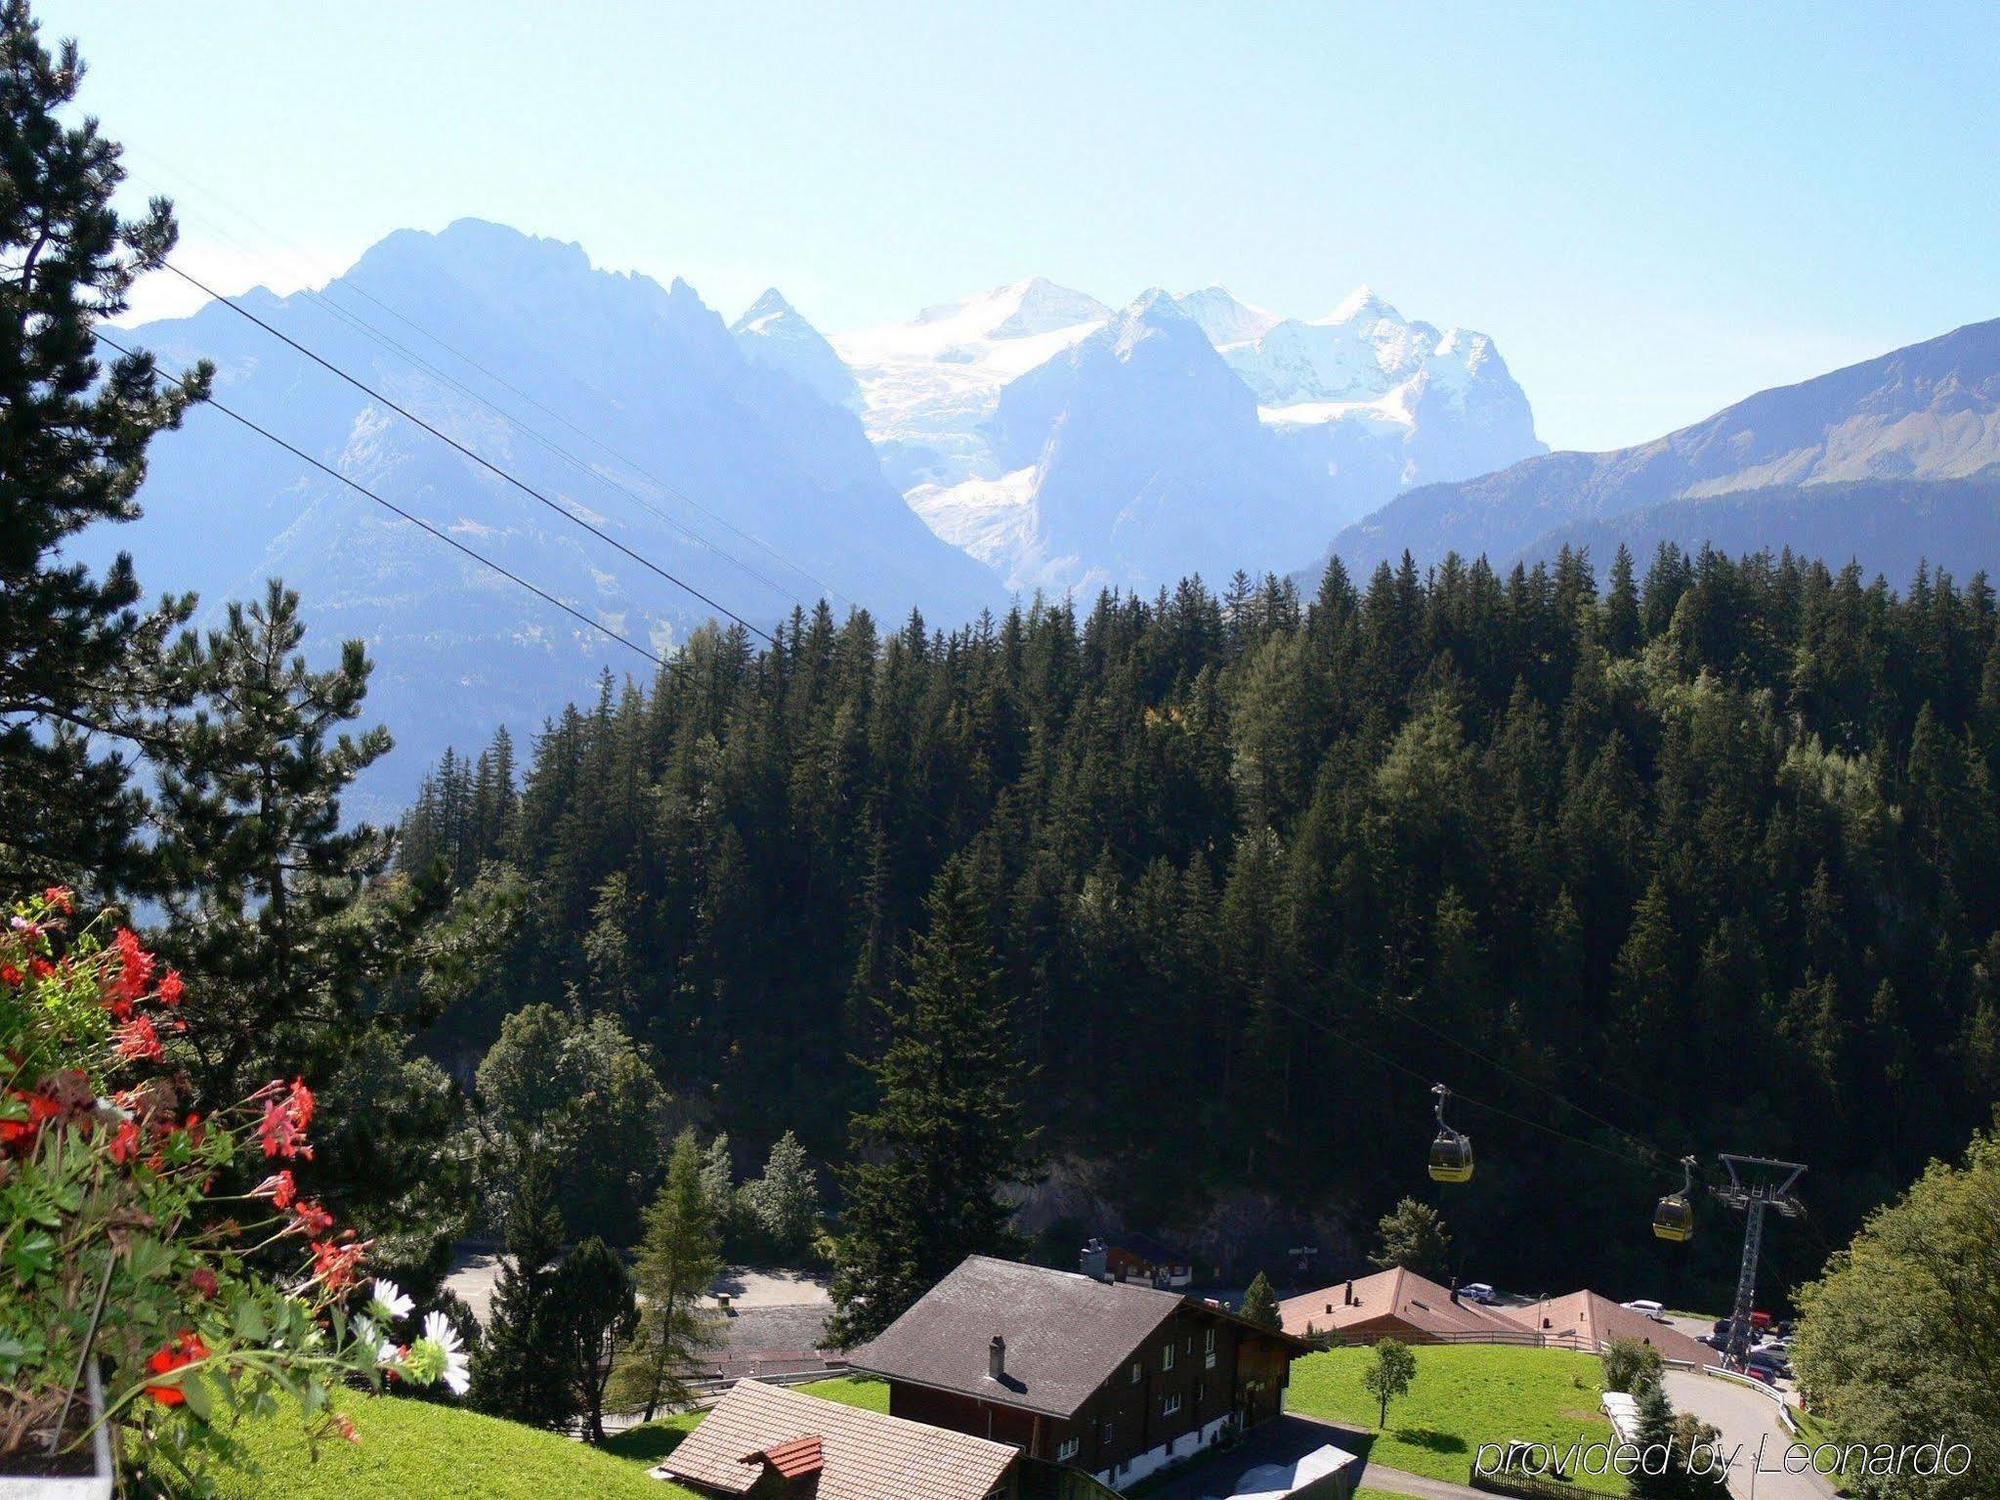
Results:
<point x="1159" y="1252"/>
<point x="1404" y="1295"/>
<point x="862" y="1455"/>
<point x="1593" y="1320"/>
<point x="1065" y="1334"/>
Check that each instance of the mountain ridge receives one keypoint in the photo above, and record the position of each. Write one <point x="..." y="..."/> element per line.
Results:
<point x="1929" y="410"/>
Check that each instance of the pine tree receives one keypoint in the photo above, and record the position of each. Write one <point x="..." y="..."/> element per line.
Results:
<point x="1260" y="1303"/>
<point x="948" y="1129"/>
<point x="1657" y="1477"/>
<point x="1412" y="1235"/>
<point x="679" y="1258"/>
<point x="592" y="1312"/>
<point x="276" y="915"/>
<point x="518" y="1371"/>
<point x="77" y="657"/>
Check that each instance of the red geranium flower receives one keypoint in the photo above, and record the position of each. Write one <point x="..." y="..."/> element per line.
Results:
<point x="138" y="1041"/>
<point x="335" y="1262"/>
<point x="135" y="966"/>
<point x="61" y="898"/>
<point x="12" y="975"/>
<point x="184" y="1350"/>
<point x="279" y="1188"/>
<point x="170" y="988"/>
<point x="310" y="1218"/>
<point x="125" y="1145"/>
<point x="286" y="1117"/>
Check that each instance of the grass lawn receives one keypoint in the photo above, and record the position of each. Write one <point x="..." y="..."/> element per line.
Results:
<point x="1464" y="1395"/>
<point x="411" y="1448"/>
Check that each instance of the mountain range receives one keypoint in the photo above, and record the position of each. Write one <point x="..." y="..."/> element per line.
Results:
<point x="1838" y="466"/>
<point x="628" y="404"/>
<point x="1074" y="446"/>
<point x="1030" y="438"/>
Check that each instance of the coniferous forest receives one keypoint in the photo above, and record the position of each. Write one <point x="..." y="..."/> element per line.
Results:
<point x="1640" y="866"/>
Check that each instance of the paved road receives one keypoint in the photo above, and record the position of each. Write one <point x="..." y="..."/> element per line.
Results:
<point x="1748" y="1419"/>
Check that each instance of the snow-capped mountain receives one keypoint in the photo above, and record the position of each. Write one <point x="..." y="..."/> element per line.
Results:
<point x="929" y="385"/>
<point x="1133" y="457"/>
<point x="1358" y="406"/>
<point x="632" y="406"/>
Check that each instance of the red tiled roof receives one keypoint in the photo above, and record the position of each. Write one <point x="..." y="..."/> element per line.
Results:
<point x="864" y="1455"/>
<point x="797" y="1457"/>
<point x="1396" y="1293"/>
<point x="1590" y="1320"/>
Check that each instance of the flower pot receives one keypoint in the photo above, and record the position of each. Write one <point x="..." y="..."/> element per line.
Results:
<point x="92" y="1483"/>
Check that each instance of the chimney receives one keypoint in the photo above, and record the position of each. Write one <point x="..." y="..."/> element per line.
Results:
<point x="1349" y="1293"/>
<point x="996" y="1358"/>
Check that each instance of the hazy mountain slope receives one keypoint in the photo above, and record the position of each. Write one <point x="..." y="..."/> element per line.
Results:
<point x="772" y="333"/>
<point x="643" y="369"/>
<point x="1360" y="404"/>
<point x="1888" y="526"/>
<point x="1931" y="411"/>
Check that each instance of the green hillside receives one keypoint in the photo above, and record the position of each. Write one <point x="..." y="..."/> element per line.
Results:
<point x="1464" y="1395"/>
<point x="441" y="1453"/>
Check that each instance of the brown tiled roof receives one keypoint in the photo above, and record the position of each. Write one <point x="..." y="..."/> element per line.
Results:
<point x="1590" y="1321"/>
<point x="1404" y="1295"/>
<point x="1066" y="1334"/>
<point x="799" y="1456"/>
<point x="864" y="1455"/>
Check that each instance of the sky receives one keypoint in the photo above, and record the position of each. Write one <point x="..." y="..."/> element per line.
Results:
<point x="1654" y="210"/>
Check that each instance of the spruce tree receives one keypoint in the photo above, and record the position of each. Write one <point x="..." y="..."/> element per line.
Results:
<point x="77" y="655"/>
<point x="948" y="1129"/>
<point x="1260" y="1303"/>
<point x="782" y="1206"/>
<point x="519" y="1371"/>
<point x="678" y="1261"/>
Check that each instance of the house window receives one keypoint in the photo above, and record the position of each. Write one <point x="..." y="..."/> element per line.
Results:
<point x="1167" y="1355"/>
<point x="1135" y="1372"/>
<point x="1067" y="1448"/>
<point x="1169" y="1405"/>
<point x="1208" y="1349"/>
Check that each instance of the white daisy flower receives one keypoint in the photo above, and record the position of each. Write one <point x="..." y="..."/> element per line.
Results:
<point x="457" y="1373"/>
<point x="388" y="1301"/>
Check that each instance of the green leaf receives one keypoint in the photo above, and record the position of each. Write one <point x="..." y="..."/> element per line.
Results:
<point x="249" y="1321"/>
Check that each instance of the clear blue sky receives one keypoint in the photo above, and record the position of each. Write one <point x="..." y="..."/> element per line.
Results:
<point x="1654" y="209"/>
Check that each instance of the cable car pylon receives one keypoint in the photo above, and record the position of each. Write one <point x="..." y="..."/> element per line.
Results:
<point x="1760" y="1184"/>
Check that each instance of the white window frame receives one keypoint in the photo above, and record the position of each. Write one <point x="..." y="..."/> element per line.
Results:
<point x="1167" y="1355"/>
<point x="1067" y="1449"/>
<point x="1170" y="1404"/>
<point x="1137" y="1371"/>
<point x="1208" y="1350"/>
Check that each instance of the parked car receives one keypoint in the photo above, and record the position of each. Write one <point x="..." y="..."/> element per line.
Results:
<point x="1477" y="1291"/>
<point x="1657" y="1311"/>
<point x="1772" y="1360"/>
<point x="1758" y="1372"/>
<point x="1715" y="1340"/>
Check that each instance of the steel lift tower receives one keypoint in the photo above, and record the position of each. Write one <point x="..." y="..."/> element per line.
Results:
<point x="1755" y="1184"/>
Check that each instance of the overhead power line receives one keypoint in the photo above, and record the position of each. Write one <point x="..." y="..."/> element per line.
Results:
<point x="485" y="463"/>
<point x="417" y="521"/>
<point x="362" y="325"/>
